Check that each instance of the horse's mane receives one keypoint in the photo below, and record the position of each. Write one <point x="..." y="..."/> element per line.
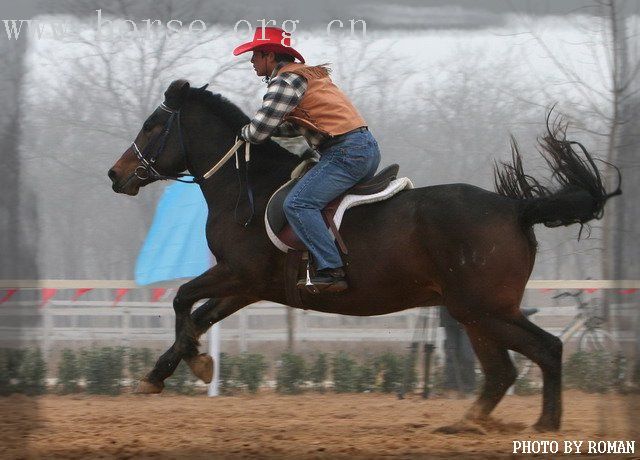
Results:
<point x="221" y="107"/>
<point x="270" y="154"/>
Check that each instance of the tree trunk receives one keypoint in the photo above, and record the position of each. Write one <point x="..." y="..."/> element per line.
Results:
<point x="19" y="232"/>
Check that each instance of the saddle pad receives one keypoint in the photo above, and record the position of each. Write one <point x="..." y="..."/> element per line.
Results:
<point x="276" y="222"/>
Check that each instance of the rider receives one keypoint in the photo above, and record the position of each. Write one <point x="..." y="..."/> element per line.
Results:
<point x="302" y="100"/>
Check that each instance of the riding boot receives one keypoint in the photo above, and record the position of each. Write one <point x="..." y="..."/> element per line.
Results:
<point x="326" y="280"/>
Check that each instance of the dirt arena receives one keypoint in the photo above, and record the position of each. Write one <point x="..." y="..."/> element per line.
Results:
<point x="273" y="426"/>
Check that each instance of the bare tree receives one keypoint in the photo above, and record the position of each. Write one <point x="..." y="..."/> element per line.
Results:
<point x="100" y="92"/>
<point x="615" y="51"/>
<point x="122" y="68"/>
<point x="19" y="232"/>
<point x="613" y="104"/>
<point x="16" y="210"/>
<point x="462" y="110"/>
<point x="361" y="68"/>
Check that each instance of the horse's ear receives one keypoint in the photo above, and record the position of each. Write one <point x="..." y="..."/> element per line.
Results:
<point x="176" y="93"/>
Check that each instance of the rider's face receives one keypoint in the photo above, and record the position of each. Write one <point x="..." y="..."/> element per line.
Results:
<point x="260" y="63"/>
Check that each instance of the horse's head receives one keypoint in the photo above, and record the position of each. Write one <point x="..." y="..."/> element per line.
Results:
<point x="158" y="150"/>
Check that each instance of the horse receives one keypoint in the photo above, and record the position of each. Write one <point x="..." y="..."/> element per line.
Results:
<point x="456" y="245"/>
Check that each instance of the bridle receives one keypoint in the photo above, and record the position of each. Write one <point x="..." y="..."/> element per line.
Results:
<point x="146" y="169"/>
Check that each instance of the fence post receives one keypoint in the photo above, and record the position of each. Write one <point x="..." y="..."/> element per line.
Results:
<point x="47" y="328"/>
<point x="214" y="352"/>
<point x="291" y="326"/>
<point x="126" y="324"/>
<point x="242" y="330"/>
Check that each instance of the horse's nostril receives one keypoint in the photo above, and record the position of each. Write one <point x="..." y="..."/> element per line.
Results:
<point x="112" y="174"/>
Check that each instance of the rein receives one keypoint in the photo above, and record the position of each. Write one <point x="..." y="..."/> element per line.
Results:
<point x="227" y="156"/>
<point x="146" y="169"/>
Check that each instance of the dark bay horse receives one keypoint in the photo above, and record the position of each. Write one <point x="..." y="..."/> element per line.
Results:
<point x="455" y="245"/>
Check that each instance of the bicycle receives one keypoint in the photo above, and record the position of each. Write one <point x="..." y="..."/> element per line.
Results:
<point x="593" y="338"/>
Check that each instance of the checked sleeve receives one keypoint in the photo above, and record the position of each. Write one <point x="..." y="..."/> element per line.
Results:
<point x="283" y="95"/>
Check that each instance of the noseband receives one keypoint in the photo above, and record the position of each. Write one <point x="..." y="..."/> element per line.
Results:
<point x="146" y="169"/>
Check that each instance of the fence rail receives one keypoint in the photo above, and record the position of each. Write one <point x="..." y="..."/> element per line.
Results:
<point x="139" y="322"/>
<point x="128" y="284"/>
<point x="84" y="321"/>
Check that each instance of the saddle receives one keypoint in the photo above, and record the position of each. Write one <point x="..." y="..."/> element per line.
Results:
<point x="383" y="185"/>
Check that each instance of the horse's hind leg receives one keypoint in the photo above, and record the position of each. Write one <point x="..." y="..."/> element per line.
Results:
<point x="209" y="313"/>
<point x="544" y="349"/>
<point x="499" y="372"/>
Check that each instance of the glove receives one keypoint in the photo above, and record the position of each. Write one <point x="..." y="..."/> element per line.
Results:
<point x="240" y="133"/>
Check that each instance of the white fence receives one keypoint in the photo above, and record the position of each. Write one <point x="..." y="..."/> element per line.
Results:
<point x="92" y="321"/>
<point x="82" y="323"/>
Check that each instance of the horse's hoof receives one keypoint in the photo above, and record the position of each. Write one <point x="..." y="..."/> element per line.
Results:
<point x="490" y="424"/>
<point x="202" y="367"/>
<point x="145" y="387"/>
<point x="463" y="426"/>
<point x="543" y="427"/>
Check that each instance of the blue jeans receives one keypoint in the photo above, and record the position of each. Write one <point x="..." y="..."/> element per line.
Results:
<point x="341" y="166"/>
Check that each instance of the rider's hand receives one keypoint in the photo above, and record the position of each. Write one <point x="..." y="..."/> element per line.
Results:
<point x="240" y="135"/>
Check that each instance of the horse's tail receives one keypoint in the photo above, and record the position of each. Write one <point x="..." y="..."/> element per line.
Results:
<point x="581" y="194"/>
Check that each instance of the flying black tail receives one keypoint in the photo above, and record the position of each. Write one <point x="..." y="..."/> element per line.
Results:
<point x="580" y="195"/>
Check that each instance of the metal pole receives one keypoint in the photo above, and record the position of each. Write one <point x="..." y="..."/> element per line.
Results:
<point x="407" y="372"/>
<point x="47" y="331"/>
<point x="242" y="332"/>
<point x="214" y="352"/>
<point x="428" y="352"/>
<point x="291" y="326"/>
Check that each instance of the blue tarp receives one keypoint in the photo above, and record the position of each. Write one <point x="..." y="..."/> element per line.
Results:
<point x="176" y="245"/>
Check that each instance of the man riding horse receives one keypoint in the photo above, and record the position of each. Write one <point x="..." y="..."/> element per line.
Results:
<point x="457" y="245"/>
<point x="301" y="100"/>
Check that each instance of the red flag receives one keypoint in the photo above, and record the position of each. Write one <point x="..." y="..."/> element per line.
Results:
<point x="80" y="292"/>
<point x="624" y="291"/>
<point x="47" y="295"/>
<point x="120" y="293"/>
<point x="8" y="295"/>
<point x="590" y="290"/>
<point x="157" y="293"/>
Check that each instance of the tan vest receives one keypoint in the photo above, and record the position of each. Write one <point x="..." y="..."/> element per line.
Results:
<point x="323" y="108"/>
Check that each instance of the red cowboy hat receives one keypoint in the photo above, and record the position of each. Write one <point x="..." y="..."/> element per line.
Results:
<point x="274" y="37"/>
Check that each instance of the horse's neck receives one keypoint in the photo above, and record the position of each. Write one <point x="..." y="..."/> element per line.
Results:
<point x="269" y="167"/>
<point x="212" y="137"/>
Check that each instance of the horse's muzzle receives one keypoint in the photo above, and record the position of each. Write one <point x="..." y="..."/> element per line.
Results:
<point x="119" y="186"/>
<point x="113" y="175"/>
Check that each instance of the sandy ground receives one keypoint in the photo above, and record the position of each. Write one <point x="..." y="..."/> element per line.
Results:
<point x="272" y="426"/>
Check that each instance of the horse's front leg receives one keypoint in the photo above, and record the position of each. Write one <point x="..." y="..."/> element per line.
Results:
<point x="209" y="313"/>
<point x="217" y="282"/>
<point x="202" y="365"/>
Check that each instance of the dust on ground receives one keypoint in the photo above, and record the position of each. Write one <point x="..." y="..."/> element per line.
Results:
<point x="318" y="426"/>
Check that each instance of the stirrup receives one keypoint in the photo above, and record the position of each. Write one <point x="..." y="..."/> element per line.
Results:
<point x="308" y="285"/>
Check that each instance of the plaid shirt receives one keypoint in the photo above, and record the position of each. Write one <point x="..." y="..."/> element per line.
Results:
<point x="284" y="93"/>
